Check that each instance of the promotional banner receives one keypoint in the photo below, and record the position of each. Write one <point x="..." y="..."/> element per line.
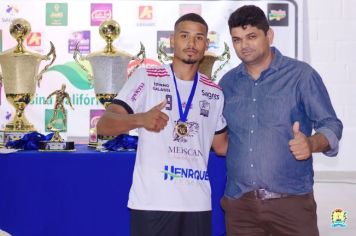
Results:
<point x="70" y="23"/>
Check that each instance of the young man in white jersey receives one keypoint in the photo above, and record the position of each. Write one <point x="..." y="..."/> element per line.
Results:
<point x="178" y="113"/>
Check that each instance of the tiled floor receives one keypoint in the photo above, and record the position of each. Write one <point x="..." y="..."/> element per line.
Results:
<point x="332" y="192"/>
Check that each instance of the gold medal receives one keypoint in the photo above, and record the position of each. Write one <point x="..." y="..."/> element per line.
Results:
<point x="181" y="129"/>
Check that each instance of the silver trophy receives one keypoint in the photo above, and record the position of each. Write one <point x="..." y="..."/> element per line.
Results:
<point x="109" y="66"/>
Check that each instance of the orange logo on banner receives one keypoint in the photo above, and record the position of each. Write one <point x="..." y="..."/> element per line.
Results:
<point x="145" y="13"/>
<point x="34" y="39"/>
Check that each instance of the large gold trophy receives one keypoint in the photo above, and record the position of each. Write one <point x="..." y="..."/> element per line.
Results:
<point x="19" y="75"/>
<point x="109" y="66"/>
<point x="206" y="64"/>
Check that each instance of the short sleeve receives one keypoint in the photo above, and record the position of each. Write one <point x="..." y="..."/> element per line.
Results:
<point x="133" y="93"/>
<point x="221" y="122"/>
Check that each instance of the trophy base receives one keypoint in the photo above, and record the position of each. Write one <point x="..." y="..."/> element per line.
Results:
<point x="24" y="126"/>
<point x="92" y="144"/>
<point x="101" y="139"/>
<point x="6" y="136"/>
<point x="50" y="146"/>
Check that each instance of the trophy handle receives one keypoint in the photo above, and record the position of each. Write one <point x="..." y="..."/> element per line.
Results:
<point x="140" y="56"/>
<point x="47" y="57"/>
<point x="224" y="56"/>
<point x="162" y="53"/>
<point x="77" y="54"/>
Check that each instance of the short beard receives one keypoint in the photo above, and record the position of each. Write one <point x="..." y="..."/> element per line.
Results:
<point x="189" y="61"/>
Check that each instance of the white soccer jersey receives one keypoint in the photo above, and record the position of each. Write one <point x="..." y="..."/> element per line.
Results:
<point x="170" y="172"/>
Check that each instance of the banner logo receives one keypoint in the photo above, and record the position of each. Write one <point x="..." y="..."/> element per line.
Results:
<point x="12" y="10"/>
<point x="94" y="116"/>
<point x="213" y="37"/>
<point x="74" y="74"/>
<point x="83" y="37"/>
<point x="56" y="14"/>
<point x="100" y="12"/>
<point x="165" y="38"/>
<point x="34" y="39"/>
<point x="145" y="12"/>
<point x="277" y="14"/>
<point x="55" y="118"/>
<point x="11" y="13"/>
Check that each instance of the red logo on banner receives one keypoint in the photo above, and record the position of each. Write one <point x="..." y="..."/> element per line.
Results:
<point x="34" y="39"/>
<point x="145" y="12"/>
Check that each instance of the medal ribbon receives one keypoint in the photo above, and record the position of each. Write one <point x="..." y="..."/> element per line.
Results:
<point x="183" y="115"/>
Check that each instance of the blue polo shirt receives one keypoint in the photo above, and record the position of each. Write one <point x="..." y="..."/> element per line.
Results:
<point x="260" y="115"/>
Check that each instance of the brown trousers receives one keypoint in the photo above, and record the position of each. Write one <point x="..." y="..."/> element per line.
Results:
<point x="289" y="216"/>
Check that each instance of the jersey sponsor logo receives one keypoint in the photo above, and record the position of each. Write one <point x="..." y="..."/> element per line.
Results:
<point x="204" y="108"/>
<point x="173" y="172"/>
<point x="137" y="92"/>
<point x="193" y="128"/>
<point x="189" y="152"/>
<point x="210" y="95"/>
<point x="161" y="87"/>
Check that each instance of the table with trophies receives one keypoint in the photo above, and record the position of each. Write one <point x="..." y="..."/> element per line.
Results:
<point x="63" y="188"/>
<point x="78" y="193"/>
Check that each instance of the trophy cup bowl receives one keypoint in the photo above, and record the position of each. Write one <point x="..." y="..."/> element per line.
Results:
<point x="19" y="76"/>
<point x="109" y="66"/>
<point x="205" y="65"/>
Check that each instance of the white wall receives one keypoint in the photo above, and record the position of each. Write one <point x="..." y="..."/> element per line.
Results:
<point x="330" y="47"/>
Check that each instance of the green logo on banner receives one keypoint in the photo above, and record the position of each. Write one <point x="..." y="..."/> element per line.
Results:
<point x="54" y="119"/>
<point x="75" y="74"/>
<point x="56" y="14"/>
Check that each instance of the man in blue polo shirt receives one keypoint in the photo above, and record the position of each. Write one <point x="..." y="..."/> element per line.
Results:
<point x="272" y="105"/>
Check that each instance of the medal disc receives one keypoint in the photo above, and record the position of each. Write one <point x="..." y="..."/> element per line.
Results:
<point x="182" y="129"/>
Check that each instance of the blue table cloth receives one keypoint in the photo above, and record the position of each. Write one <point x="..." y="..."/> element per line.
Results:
<point x="82" y="193"/>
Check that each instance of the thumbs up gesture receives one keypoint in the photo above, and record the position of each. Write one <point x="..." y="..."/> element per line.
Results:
<point x="300" y="145"/>
<point x="155" y="120"/>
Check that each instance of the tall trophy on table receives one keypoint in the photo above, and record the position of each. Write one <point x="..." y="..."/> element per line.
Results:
<point x="206" y="64"/>
<point x="19" y="69"/>
<point x="109" y="67"/>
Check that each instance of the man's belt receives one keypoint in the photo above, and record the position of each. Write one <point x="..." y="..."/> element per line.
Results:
<point x="264" y="194"/>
